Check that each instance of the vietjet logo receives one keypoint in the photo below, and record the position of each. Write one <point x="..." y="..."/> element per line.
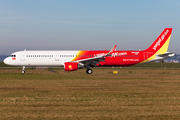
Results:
<point x="158" y="43"/>
<point x="13" y="58"/>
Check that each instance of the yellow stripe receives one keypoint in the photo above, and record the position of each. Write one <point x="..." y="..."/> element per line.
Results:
<point x="79" y="53"/>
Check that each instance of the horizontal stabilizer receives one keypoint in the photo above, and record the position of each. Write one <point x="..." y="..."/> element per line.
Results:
<point x="166" y="55"/>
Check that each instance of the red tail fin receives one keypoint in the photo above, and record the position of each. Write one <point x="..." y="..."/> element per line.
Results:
<point x="162" y="42"/>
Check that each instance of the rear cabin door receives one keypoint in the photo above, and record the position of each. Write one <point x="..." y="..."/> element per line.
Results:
<point x="147" y="55"/>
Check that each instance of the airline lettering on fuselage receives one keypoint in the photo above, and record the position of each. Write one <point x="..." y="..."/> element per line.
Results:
<point x="136" y="53"/>
<point x="119" y="53"/>
<point x="113" y="54"/>
<point x="131" y="60"/>
<point x="99" y="54"/>
<point x="158" y="43"/>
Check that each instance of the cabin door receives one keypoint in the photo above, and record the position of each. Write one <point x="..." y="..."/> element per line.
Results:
<point x="22" y="56"/>
<point x="147" y="55"/>
<point x="57" y="57"/>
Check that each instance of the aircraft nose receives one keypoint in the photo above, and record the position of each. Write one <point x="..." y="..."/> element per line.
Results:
<point x="6" y="61"/>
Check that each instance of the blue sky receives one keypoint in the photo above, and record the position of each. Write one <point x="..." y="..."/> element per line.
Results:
<point x="86" y="24"/>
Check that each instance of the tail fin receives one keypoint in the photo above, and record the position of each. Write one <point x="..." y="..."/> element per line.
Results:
<point x="160" y="45"/>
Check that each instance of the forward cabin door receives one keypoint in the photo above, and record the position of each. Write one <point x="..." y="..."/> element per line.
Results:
<point x="57" y="57"/>
<point x="22" y="58"/>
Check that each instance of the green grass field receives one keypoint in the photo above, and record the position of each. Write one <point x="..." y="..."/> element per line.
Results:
<point x="134" y="93"/>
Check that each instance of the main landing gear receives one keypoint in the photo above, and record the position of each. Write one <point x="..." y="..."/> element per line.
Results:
<point x="89" y="71"/>
<point x="23" y="70"/>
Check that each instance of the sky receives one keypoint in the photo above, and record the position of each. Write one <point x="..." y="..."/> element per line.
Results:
<point x="86" y="24"/>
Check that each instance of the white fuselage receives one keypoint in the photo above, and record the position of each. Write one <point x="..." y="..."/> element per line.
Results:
<point x="40" y="58"/>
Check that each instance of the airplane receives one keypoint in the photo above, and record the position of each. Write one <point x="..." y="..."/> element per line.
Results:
<point x="74" y="60"/>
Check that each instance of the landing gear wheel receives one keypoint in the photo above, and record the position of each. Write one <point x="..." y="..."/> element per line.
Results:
<point x="89" y="71"/>
<point x="23" y="71"/>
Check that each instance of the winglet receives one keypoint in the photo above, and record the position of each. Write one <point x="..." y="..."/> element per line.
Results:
<point x="112" y="50"/>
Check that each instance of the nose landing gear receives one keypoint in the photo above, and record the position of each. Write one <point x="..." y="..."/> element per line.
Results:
<point x="23" y="70"/>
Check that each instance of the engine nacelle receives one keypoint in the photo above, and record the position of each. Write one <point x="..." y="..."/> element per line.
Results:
<point x="70" y="66"/>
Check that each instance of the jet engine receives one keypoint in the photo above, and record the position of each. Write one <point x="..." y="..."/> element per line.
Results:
<point x="70" y="66"/>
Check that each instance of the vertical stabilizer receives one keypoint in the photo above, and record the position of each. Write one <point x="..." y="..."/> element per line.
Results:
<point x="158" y="50"/>
<point x="160" y="45"/>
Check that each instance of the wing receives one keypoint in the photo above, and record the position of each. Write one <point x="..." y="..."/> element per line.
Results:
<point x="95" y="60"/>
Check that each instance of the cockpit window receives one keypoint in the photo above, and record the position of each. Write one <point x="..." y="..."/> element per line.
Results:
<point x="13" y="55"/>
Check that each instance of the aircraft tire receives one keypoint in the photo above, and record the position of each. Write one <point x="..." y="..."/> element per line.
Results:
<point x="89" y="71"/>
<point x="23" y="71"/>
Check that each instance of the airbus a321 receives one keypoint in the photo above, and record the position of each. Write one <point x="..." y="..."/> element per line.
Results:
<point x="74" y="60"/>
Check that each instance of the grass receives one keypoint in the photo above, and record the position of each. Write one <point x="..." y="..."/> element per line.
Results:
<point x="131" y="94"/>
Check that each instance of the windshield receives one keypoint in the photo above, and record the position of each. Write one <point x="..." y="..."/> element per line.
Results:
<point x="13" y="55"/>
